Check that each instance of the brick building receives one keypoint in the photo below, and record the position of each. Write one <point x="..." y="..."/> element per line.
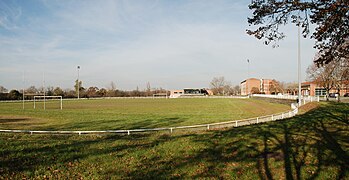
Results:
<point x="254" y="85"/>
<point x="313" y="89"/>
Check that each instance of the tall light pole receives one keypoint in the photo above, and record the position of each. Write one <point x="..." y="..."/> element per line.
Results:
<point x="78" y="83"/>
<point x="299" y="63"/>
<point x="248" y="68"/>
<point x="248" y="76"/>
<point x="43" y="88"/>
<point x="23" y="91"/>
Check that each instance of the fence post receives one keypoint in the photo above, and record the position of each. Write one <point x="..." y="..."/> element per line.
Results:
<point x="128" y="132"/>
<point x="236" y="123"/>
<point x="171" y="130"/>
<point x="257" y="120"/>
<point x="208" y="127"/>
<point x="272" y="117"/>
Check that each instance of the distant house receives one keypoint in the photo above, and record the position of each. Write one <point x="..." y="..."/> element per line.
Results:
<point x="190" y="92"/>
<point x="256" y="86"/>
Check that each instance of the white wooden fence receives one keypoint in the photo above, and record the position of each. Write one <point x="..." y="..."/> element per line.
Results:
<point x="220" y="125"/>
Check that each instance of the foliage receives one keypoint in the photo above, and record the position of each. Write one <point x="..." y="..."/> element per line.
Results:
<point x="331" y="18"/>
<point x="310" y="146"/>
<point x="14" y="95"/>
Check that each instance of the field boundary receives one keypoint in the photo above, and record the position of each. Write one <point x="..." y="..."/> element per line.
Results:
<point x="211" y="126"/>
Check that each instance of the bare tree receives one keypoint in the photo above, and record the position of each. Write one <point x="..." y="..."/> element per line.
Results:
<point x="236" y="90"/>
<point x="276" y="87"/>
<point x="322" y="76"/>
<point x="217" y="85"/>
<point x="112" y="86"/>
<point x="291" y="87"/>
<point x="3" y="89"/>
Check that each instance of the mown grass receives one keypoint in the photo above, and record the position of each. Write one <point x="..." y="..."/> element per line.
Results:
<point x="313" y="145"/>
<point x="131" y="113"/>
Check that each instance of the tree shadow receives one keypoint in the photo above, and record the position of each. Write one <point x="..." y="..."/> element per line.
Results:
<point x="304" y="147"/>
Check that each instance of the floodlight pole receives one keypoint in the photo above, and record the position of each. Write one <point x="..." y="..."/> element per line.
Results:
<point x="43" y="87"/>
<point x="299" y="63"/>
<point x="78" y="83"/>
<point x="248" y="76"/>
<point x="23" y="90"/>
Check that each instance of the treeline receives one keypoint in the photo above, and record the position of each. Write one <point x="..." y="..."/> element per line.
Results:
<point x="91" y="92"/>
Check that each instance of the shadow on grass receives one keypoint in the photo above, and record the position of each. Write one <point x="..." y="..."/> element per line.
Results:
<point x="310" y="146"/>
<point x="117" y="124"/>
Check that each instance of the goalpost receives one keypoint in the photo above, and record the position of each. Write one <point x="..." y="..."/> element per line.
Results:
<point x="44" y="97"/>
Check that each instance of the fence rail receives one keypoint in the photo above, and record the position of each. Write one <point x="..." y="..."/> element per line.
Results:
<point x="219" y="125"/>
<point x="304" y="99"/>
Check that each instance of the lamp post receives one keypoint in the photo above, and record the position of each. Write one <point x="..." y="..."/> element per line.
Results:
<point x="248" y="76"/>
<point x="299" y="63"/>
<point x="78" y="83"/>
<point x="23" y="91"/>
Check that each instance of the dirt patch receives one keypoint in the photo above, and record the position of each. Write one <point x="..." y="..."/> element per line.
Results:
<point x="7" y="120"/>
<point x="308" y="107"/>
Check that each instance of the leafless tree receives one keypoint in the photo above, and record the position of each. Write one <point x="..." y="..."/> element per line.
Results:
<point x="291" y="87"/>
<point x="3" y="89"/>
<point x="322" y="76"/>
<point x="217" y="85"/>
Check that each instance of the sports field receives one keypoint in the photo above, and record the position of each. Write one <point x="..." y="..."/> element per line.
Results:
<point x="113" y="114"/>
<point x="313" y="145"/>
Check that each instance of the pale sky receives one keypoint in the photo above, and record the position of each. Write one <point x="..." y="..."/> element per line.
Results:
<point x="171" y="44"/>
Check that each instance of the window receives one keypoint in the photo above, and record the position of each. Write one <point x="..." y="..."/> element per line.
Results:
<point x="320" y="92"/>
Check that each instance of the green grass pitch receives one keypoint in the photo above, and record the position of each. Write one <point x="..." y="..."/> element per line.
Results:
<point x="112" y="114"/>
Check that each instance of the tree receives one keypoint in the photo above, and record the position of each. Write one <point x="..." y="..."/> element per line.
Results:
<point x="32" y="90"/>
<point x="330" y="17"/>
<point x="14" y="95"/>
<point x="102" y="92"/>
<point x="322" y="76"/>
<point x="276" y="87"/>
<point x="255" y="90"/>
<point x="92" y="91"/>
<point x="148" y="90"/>
<point x="292" y="87"/>
<point x="340" y="75"/>
<point x="217" y="85"/>
<point x="58" y="92"/>
<point x="78" y="87"/>
<point x="3" y="89"/>
<point x="49" y="91"/>
<point x="112" y="86"/>
<point x="236" y="90"/>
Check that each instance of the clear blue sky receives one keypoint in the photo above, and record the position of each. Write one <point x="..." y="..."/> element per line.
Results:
<point x="171" y="44"/>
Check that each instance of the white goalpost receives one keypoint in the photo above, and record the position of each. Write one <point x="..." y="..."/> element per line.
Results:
<point x="45" y="97"/>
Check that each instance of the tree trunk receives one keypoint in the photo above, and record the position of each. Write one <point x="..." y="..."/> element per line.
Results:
<point x="327" y="94"/>
<point x="339" y="95"/>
